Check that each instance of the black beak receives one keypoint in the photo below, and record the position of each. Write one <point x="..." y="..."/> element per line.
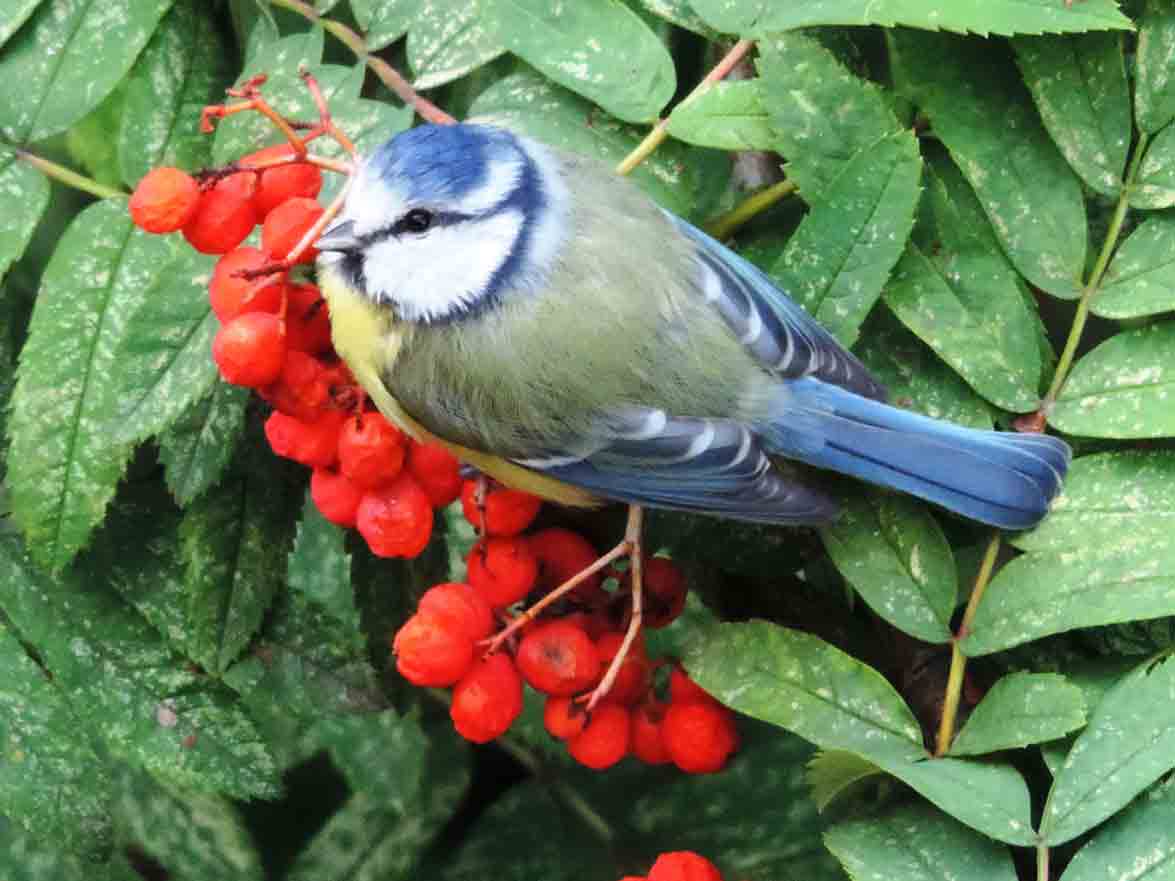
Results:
<point x="338" y="237"/>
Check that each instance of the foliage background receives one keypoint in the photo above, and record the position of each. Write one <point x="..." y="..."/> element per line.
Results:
<point x="194" y="673"/>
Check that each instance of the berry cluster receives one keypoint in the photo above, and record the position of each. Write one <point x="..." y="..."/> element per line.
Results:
<point x="681" y="865"/>
<point x="275" y="338"/>
<point x="566" y="653"/>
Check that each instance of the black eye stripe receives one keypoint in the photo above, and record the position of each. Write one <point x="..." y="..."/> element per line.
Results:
<point x="398" y="228"/>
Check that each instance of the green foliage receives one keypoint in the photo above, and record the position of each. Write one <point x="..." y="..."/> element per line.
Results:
<point x="184" y="639"/>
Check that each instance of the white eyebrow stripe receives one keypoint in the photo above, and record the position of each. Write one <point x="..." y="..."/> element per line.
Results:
<point x="503" y="174"/>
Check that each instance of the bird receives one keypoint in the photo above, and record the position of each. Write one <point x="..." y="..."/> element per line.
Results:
<point x="546" y="321"/>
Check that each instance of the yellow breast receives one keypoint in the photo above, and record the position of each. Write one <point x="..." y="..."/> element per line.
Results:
<point x="370" y="341"/>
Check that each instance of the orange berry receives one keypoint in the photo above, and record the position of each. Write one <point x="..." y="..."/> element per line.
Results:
<point x="604" y="741"/>
<point x="250" y="350"/>
<point x="507" y="511"/>
<point x="503" y="570"/>
<point x="286" y="225"/>
<point x="432" y="650"/>
<point x="371" y="450"/>
<point x="699" y="737"/>
<point x="227" y="292"/>
<point x="463" y="605"/>
<point x="224" y="217"/>
<point x="396" y="520"/>
<point x="314" y="444"/>
<point x="487" y="700"/>
<point x="276" y="185"/>
<point x="336" y="498"/>
<point x="164" y="200"/>
<point x="437" y="471"/>
<point x="564" y="717"/>
<point x="558" y="658"/>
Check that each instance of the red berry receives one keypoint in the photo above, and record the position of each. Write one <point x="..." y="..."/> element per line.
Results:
<point x="286" y="225"/>
<point x="632" y="681"/>
<point x="314" y="444"/>
<point x="276" y="185"/>
<point x="229" y="294"/>
<point x="250" y="350"/>
<point x="564" y="717"/>
<point x="507" y="511"/>
<point x="461" y="603"/>
<point x="437" y="471"/>
<point x="307" y="320"/>
<point x="164" y="200"/>
<point x="396" y="520"/>
<point x="371" y="450"/>
<point x="683" y="690"/>
<point x="301" y="390"/>
<point x="699" y="736"/>
<point x="558" y="658"/>
<point x="664" y="591"/>
<point x="563" y="554"/>
<point x="503" y="570"/>
<point x="683" y="866"/>
<point x="487" y="700"/>
<point x="432" y="650"/>
<point x="595" y="624"/>
<point x="224" y="216"/>
<point x="647" y="744"/>
<point x="634" y="878"/>
<point x="604" y="741"/>
<point x="336" y="498"/>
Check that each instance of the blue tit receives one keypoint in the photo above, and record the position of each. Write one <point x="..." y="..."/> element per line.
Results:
<point x="553" y="327"/>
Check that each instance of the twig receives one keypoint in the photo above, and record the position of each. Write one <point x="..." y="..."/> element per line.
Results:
<point x="68" y="177"/>
<point x="726" y="225"/>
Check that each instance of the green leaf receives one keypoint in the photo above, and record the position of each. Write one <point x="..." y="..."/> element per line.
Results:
<point x="801" y="683"/>
<point x="67" y="59"/>
<point x="1044" y="593"/>
<point x="728" y="116"/>
<point x="529" y="104"/>
<point x="1154" y="185"/>
<point x="1141" y="277"/>
<point x="917" y="843"/>
<point x="680" y="13"/>
<point x="751" y="18"/>
<point x="964" y="300"/>
<point x="27" y="857"/>
<point x="834" y="772"/>
<point x="576" y="45"/>
<point x="915" y="378"/>
<point x="840" y="257"/>
<point x="65" y="458"/>
<point x="1154" y="87"/>
<point x="13" y="15"/>
<point x="1121" y="499"/>
<point x="892" y="551"/>
<point x="449" y="38"/>
<point x="234" y="541"/>
<point x="380" y="754"/>
<point x="801" y="80"/>
<point x="384" y="21"/>
<point x="1028" y="191"/>
<point x="1138" y="842"/>
<point x="146" y="703"/>
<point x="1120" y="388"/>
<point x="1079" y="86"/>
<point x="1021" y="708"/>
<point x="198" y="447"/>
<point x="26" y="195"/>
<point x="194" y="835"/>
<point x="51" y="780"/>
<point x="1128" y="744"/>
<point x="180" y="71"/>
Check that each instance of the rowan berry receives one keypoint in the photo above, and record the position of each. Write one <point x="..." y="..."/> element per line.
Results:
<point x="503" y="570"/>
<point x="632" y="680"/>
<point x="164" y="200"/>
<point x="563" y="554"/>
<point x="461" y="603"/>
<point x="396" y="520"/>
<point x="564" y="717"/>
<point x="664" y="591"/>
<point x="432" y="650"/>
<point x="437" y="471"/>
<point x="507" y="511"/>
<point x="314" y="444"/>
<point x="683" y="866"/>
<point x="301" y="390"/>
<point x="634" y="878"/>
<point x="683" y="690"/>
<point x="224" y="217"/>
<point x="336" y="497"/>
<point x="307" y="320"/>
<point x="487" y="700"/>
<point x="250" y="350"/>
<point x="286" y="225"/>
<point x="699" y="737"/>
<point x="604" y="741"/>
<point x="595" y="624"/>
<point x="276" y="185"/>
<point x="230" y="294"/>
<point x="371" y="450"/>
<point x="645" y="736"/>
<point x="558" y="658"/>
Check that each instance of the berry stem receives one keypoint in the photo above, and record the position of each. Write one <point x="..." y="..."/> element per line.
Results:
<point x="632" y="539"/>
<point x="324" y="118"/>
<point x="68" y="177"/>
<point x="258" y="104"/>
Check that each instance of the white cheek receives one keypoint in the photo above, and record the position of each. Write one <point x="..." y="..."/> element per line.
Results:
<point x="435" y="274"/>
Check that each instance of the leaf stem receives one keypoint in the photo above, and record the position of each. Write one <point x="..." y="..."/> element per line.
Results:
<point x="387" y="74"/>
<point x="726" y="225"/>
<point x="660" y="131"/>
<point x="67" y="176"/>
<point x="1065" y="362"/>
<point x="1042" y="862"/>
<point x="950" y="704"/>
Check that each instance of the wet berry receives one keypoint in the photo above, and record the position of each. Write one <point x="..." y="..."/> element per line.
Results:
<point x="462" y="604"/>
<point x="396" y="520"/>
<point x="314" y="444"/>
<point x="437" y="471"/>
<point x="250" y="350"/>
<point x="507" y="511"/>
<point x="371" y="450"/>
<point x="336" y="497"/>
<point x="503" y="570"/>
<point x="487" y="700"/>
<point x="558" y="658"/>
<point x="432" y="650"/>
<point x="224" y="216"/>
<point x="230" y="294"/>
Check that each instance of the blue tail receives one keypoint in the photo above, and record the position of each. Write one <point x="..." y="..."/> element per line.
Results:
<point x="1002" y="478"/>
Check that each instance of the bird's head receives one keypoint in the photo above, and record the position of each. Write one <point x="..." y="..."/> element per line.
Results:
<point x="442" y="221"/>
